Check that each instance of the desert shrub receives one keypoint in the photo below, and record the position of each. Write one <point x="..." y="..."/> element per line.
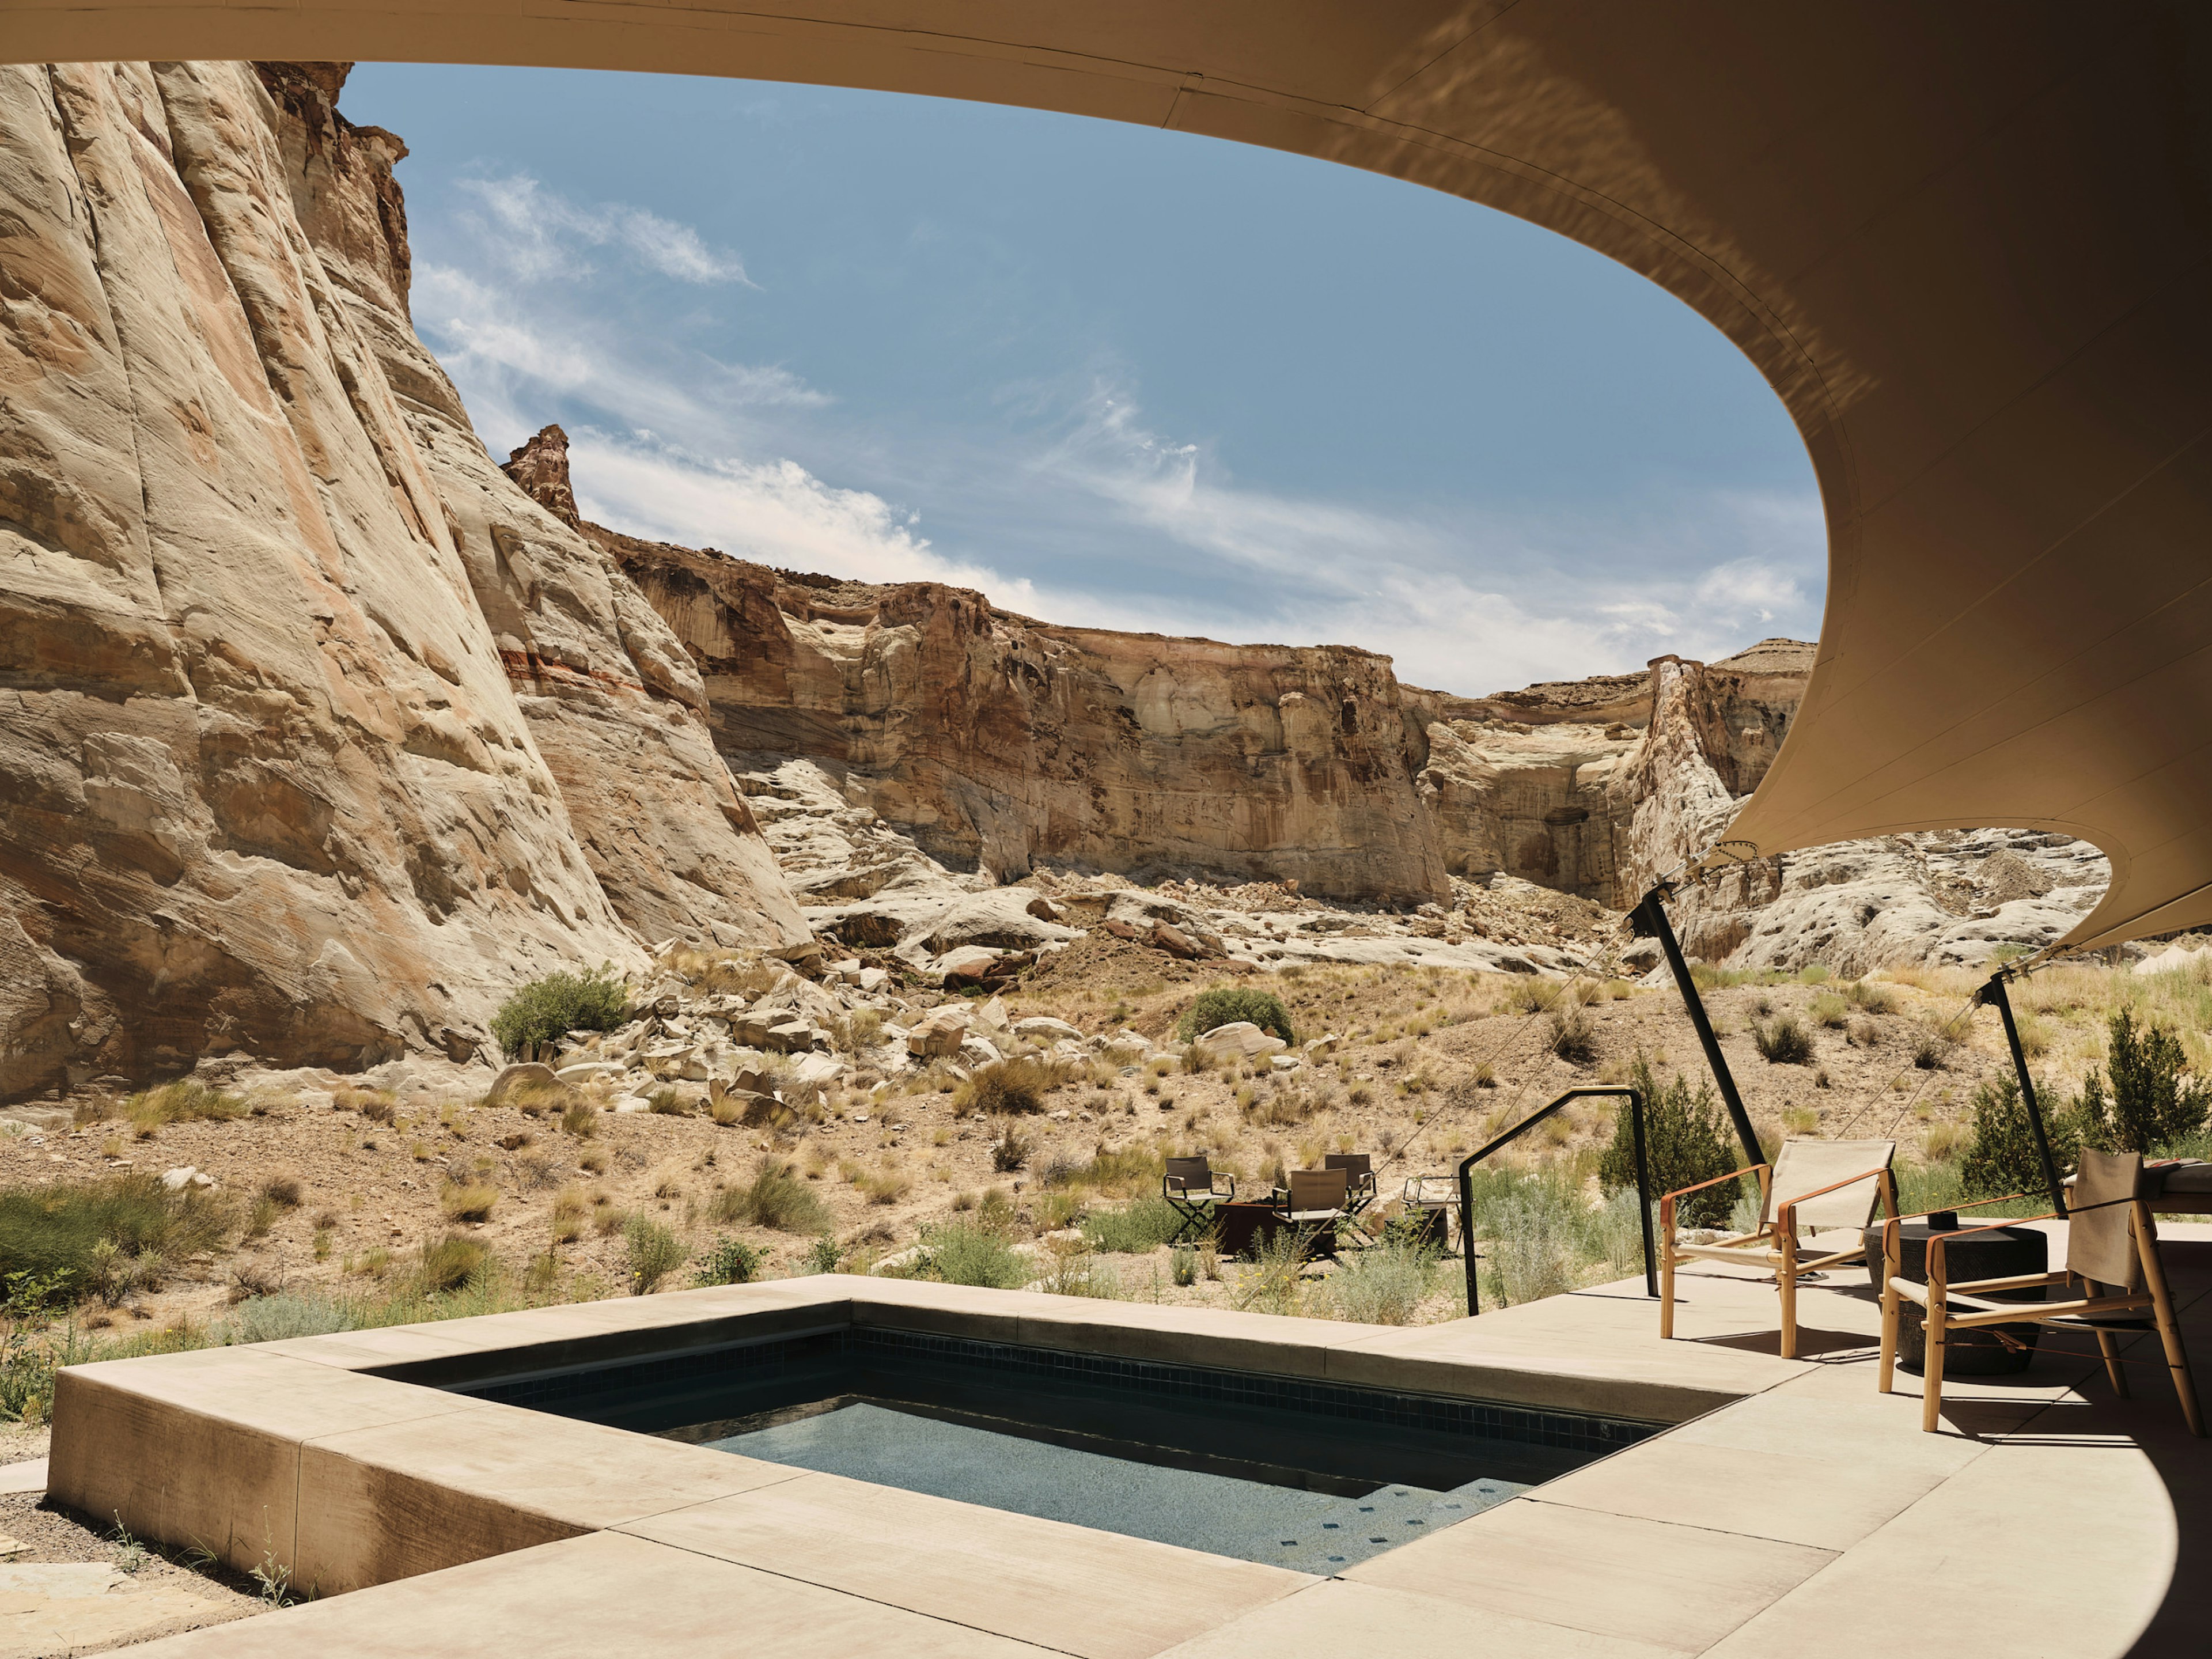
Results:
<point x="652" y="1253"/>
<point x="1182" y="1266"/>
<point x="2143" y="1100"/>
<point x="966" y="1252"/>
<point x="1535" y="1241"/>
<point x="1072" y="1269"/>
<point x="1274" y="1283"/>
<point x="731" y="1261"/>
<point x="775" y="1197"/>
<point x="580" y="1119"/>
<point x="860" y="1029"/>
<point x="181" y="1103"/>
<point x="261" y="1215"/>
<point x="2001" y="1157"/>
<point x="823" y="1255"/>
<point x="470" y="1200"/>
<point x="451" y="1263"/>
<point x="884" y="1186"/>
<point x="1227" y="1004"/>
<point x="1009" y="1151"/>
<point x="1385" y="1285"/>
<point x="283" y="1186"/>
<point x="1684" y="1143"/>
<point x="1931" y="1049"/>
<point x="668" y="1103"/>
<point x="1782" y="1042"/>
<point x="1831" y="1010"/>
<point x="285" y="1315"/>
<point x="1007" y="1087"/>
<point x="1875" y="999"/>
<point x="49" y="1234"/>
<point x="1533" y="996"/>
<point x="1571" y="1037"/>
<point x="546" y="1009"/>
<point x="1140" y="1229"/>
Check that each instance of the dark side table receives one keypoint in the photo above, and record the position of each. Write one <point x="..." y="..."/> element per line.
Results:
<point x="2002" y="1253"/>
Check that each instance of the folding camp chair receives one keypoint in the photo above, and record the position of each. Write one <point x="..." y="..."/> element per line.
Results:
<point x="1191" y="1190"/>
<point x="1314" y="1203"/>
<point x="1359" y="1179"/>
<point x="1818" y="1185"/>
<point x="2110" y="1240"/>
<point x="1430" y="1201"/>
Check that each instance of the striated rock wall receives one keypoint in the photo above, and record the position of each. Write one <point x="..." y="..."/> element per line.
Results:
<point x="272" y="779"/>
<point x="998" y="742"/>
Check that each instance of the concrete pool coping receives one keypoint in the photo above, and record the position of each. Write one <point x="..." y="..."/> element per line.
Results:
<point x="1792" y="1507"/>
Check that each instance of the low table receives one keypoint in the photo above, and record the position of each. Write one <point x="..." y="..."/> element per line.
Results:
<point x="2000" y="1252"/>
<point x="2184" y="1187"/>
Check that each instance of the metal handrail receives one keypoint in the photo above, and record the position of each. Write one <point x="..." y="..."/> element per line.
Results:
<point x="1643" y="1183"/>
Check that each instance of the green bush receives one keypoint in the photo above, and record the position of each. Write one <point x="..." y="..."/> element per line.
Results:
<point x="2001" y="1157"/>
<point x="1138" y="1230"/>
<point x="775" y="1197"/>
<point x="733" y="1261"/>
<point x="1225" y="1005"/>
<point x="1383" y="1285"/>
<point x="2152" y="1102"/>
<point x="654" y="1253"/>
<point x="966" y="1252"/>
<point x="74" y="1238"/>
<point x="1684" y="1142"/>
<point x="546" y="1009"/>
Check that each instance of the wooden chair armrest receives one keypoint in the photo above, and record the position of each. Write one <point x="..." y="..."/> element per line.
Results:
<point x="1913" y="1290"/>
<point x="1976" y="1204"/>
<point x="2018" y="1282"/>
<point x="1732" y="1174"/>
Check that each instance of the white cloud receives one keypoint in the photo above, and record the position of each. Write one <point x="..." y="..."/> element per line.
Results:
<point x="774" y="512"/>
<point x="1091" y="516"/>
<point x="537" y="228"/>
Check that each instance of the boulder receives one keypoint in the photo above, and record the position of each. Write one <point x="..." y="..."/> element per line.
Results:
<point x="793" y="1037"/>
<point x="940" y="1033"/>
<point x="585" y="1070"/>
<point x="980" y="1050"/>
<point x="528" y="1071"/>
<point x="1043" y="1026"/>
<point x="1241" y="1040"/>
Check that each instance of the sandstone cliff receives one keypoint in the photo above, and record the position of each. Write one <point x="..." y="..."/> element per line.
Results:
<point x="999" y="743"/>
<point x="296" y="692"/>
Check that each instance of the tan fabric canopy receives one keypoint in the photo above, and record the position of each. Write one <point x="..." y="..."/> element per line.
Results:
<point x="1966" y="243"/>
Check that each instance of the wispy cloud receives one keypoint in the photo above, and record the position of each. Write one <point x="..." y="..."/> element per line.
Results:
<point x="540" y="231"/>
<point x="1074" y="506"/>
<point x="774" y="512"/>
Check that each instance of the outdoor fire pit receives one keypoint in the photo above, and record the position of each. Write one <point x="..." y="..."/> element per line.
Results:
<point x="2002" y="1253"/>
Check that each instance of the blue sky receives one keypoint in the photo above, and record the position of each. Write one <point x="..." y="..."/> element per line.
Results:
<point x="1111" y="376"/>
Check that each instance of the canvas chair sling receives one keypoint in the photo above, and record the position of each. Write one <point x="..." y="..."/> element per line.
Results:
<point x="1815" y="1186"/>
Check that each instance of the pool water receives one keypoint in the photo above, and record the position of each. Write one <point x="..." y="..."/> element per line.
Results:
<point x="1254" y="1521"/>
<point x="1295" y="1472"/>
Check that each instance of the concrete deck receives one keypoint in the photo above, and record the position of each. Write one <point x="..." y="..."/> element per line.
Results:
<point x="1792" y="1509"/>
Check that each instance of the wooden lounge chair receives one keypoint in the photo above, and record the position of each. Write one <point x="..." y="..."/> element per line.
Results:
<point x="1193" y="1189"/>
<point x="1815" y="1185"/>
<point x="2111" y="1241"/>
<point x="1359" y="1178"/>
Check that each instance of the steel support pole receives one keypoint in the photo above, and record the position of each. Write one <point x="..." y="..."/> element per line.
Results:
<point x="1994" y="994"/>
<point x="1654" y="911"/>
